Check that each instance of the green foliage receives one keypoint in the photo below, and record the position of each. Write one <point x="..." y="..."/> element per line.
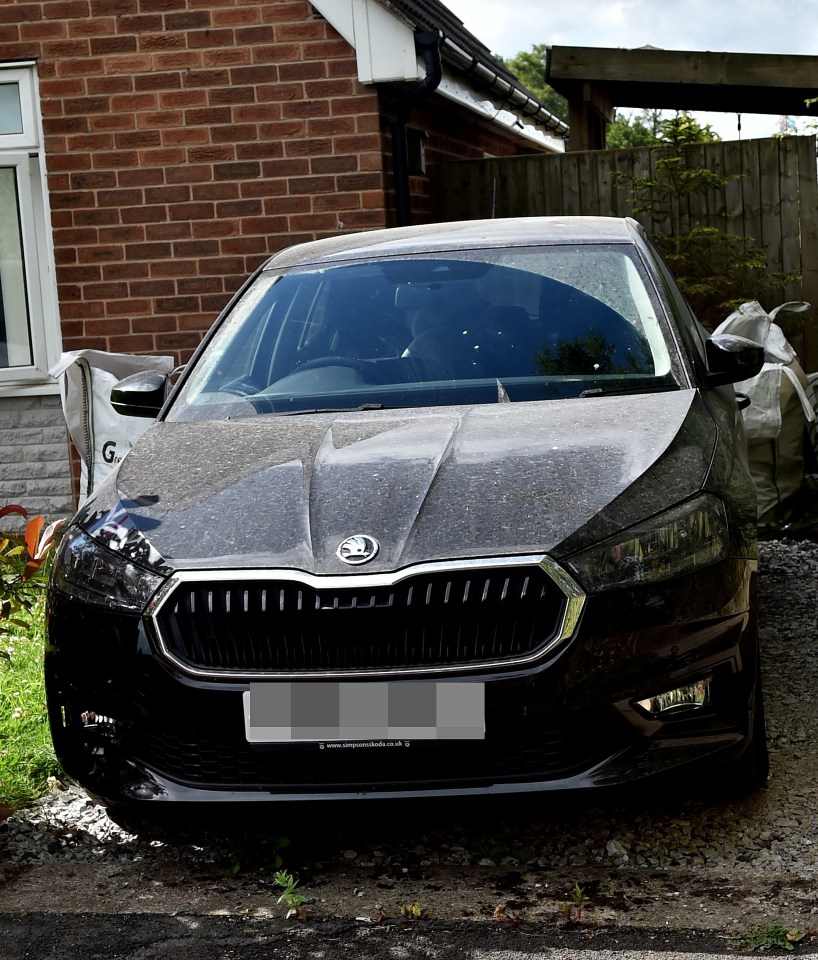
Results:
<point x="26" y="755"/>
<point x="574" y="907"/>
<point x="23" y="566"/>
<point x="294" y="902"/>
<point x="651" y="127"/>
<point x="529" y="67"/>
<point x="763" y="936"/>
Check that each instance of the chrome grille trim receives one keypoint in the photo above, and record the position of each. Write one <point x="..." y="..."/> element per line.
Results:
<point x="574" y="603"/>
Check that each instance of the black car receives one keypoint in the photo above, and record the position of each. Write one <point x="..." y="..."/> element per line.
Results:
<point x="460" y="508"/>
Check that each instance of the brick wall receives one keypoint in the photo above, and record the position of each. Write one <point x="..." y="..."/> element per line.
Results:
<point x="186" y="140"/>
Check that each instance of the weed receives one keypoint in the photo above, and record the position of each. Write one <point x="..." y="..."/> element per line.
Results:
<point x="763" y="936"/>
<point x="292" y="901"/>
<point x="574" y="907"/>
<point x="412" y="911"/>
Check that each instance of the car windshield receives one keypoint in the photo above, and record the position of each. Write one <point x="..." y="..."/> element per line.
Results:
<point x="462" y="327"/>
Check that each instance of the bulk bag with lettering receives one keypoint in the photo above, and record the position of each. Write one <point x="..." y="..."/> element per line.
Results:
<point x="779" y="407"/>
<point x="101" y="435"/>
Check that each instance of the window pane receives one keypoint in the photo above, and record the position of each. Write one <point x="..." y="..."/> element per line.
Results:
<point x="11" y="115"/>
<point x="15" y="344"/>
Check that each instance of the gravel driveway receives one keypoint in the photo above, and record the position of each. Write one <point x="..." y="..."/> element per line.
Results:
<point x="672" y="862"/>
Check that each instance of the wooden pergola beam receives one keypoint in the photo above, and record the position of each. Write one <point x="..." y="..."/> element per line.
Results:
<point x="779" y="84"/>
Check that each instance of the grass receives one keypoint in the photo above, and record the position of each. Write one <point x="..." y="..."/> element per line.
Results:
<point x="26" y="756"/>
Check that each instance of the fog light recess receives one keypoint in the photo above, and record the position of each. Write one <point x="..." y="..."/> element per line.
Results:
<point x="690" y="697"/>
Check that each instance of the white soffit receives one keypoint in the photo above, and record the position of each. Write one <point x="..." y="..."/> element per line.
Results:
<point x="384" y="44"/>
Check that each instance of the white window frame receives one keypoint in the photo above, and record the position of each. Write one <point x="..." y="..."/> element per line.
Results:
<point x="24" y="152"/>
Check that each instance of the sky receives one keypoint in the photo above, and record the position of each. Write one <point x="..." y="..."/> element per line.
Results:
<point x="749" y="26"/>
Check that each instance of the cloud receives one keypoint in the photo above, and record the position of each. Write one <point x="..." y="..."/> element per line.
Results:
<point x="762" y="26"/>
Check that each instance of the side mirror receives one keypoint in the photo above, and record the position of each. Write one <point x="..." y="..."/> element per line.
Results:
<point x="731" y="359"/>
<point x="141" y="394"/>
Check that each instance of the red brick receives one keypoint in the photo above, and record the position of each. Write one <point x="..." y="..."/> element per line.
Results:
<point x="151" y="288"/>
<point x="211" y="154"/>
<point x="264" y="225"/>
<point x="167" y="194"/>
<point x="93" y="27"/>
<point x="215" y="191"/>
<point x="192" y="20"/>
<point x="234" y="133"/>
<point x="211" y="39"/>
<point x="330" y="127"/>
<point x="246" y="170"/>
<point x="235" y="17"/>
<point x="127" y="234"/>
<point x="55" y="50"/>
<point x="253" y="36"/>
<point x="308" y="147"/>
<point x="101" y="46"/>
<point x="156" y="42"/>
<point x="225" y="57"/>
<point x="313" y="221"/>
<point x="258" y="150"/>
<point x="301" y="30"/>
<point x="191" y="173"/>
<point x="43" y="30"/>
<point x="174" y="268"/>
<point x="180" y="99"/>
<point x="302" y="71"/>
<point x="325" y="49"/>
<point x="334" y="87"/>
<point x="207" y="116"/>
<point x="148" y="251"/>
<point x="238" y="208"/>
<point x="306" y="108"/>
<point x="231" y="95"/>
<point x="124" y="271"/>
<point x="140" y="178"/>
<point x="191" y="211"/>
<point x="334" y="164"/>
<point x="158" y="81"/>
<point x="163" y="157"/>
<point x="196" y="248"/>
<point x="281" y="130"/>
<point x="211" y="229"/>
<point x="290" y="167"/>
<point x="168" y="231"/>
<point x="119" y="198"/>
<point x="112" y="122"/>
<point x="109" y="85"/>
<point x="133" y="102"/>
<point x="311" y="185"/>
<point x="337" y="201"/>
<point x="176" y="341"/>
<point x="137" y="139"/>
<point x="279" y="92"/>
<point x="185" y="137"/>
<point x="133" y="343"/>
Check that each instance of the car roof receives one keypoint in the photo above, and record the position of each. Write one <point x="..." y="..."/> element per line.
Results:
<point x="465" y="234"/>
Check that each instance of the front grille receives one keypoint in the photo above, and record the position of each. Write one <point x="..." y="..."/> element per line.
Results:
<point x="554" y="751"/>
<point x="430" y="620"/>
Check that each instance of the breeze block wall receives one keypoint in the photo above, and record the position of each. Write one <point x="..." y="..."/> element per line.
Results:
<point x="186" y="140"/>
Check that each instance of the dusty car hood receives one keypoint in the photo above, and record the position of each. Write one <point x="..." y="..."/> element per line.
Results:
<point x="429" y="484"/>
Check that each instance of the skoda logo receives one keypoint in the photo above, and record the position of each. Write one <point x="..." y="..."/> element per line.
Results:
<point x="357" y="549"/>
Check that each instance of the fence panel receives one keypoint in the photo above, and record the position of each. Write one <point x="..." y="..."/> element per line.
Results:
<point x="770" y="195"/>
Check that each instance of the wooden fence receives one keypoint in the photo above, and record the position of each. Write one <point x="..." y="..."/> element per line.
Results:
<point x="770" y="196"/>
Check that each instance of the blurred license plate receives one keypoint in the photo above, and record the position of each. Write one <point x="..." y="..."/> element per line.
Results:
<point x="306" y="712"/>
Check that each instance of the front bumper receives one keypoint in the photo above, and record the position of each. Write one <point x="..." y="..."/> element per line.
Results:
<point x="132" y="727"/>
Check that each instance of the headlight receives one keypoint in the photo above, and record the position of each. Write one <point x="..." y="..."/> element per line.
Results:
<point x="685" y="538"/>
<point x="88" y="571"/>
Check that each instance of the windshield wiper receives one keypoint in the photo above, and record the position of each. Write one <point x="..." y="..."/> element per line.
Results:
<point x="298" y="413"/>
<point x="604" y="392"/>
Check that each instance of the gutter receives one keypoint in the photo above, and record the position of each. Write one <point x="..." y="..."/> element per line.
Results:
<point x="496" y="84"/>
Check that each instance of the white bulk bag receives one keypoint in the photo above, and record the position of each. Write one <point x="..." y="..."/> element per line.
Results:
<point x="101" y="435"/>
<point x="779" y="408"/>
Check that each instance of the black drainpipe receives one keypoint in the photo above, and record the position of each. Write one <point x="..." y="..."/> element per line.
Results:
<point x="427" y="43"/>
